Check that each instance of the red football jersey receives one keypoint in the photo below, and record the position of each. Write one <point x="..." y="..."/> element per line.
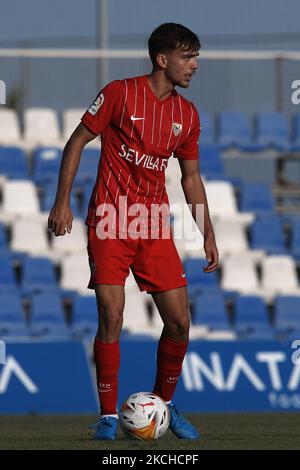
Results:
<point x="139" y="133"/>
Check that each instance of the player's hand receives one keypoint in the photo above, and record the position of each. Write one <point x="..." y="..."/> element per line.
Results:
<point x="212" y="254"/>
<point x="60" y="219"/>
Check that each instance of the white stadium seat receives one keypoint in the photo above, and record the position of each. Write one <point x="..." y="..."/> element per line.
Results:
<point x="41" y="127"/>
<point x="19" y="199"/>
<point x="71" y="119"/>
<point x="239" y="274"/>
<point x="279" y="276"/>
<point x="75" y="273"/>
<point x="10" y="133"/>
<point x="29" y="236"/>
<point x="74" y="242"/>
<point x="222" y="203"/>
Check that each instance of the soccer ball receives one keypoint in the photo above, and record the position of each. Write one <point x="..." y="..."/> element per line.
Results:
<point x="144" y="416"/>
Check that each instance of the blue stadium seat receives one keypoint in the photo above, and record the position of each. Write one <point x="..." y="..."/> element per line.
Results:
<point x="273" y="131"/>
<point x="38" y="275"/>
<point x="47" y="315"/>
<point x="235" y="130"/>
<point x="256" y="197"/>
<point x="266" y="234"/>
<point x="210" y="310"/>
<point x="7" y="276"/>
<point x="295" y="143"/>
<point x="12" y="320"/>
<point x="287" y="313"/>
<point x="295" y="242"/>
<point x="199" y="281"/>
<point x="13" y="163"/>
<point x="211" y="163"/>
<point x="85" y="316"/>
<point x="207" y="129"/>
<point x="46" y="164"/>
<point x="88" y="167"/>
<point x="251" y="314"/>
<point x="3" y="240"/>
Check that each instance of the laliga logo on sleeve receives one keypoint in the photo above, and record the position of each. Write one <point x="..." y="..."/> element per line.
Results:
<point x="296" y="354"/>
<point x="96" y="105"/>
<point x="2" y="92"/>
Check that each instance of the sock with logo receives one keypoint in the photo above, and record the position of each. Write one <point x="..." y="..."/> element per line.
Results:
<point x="170" y="355"/>
<point x="107" y="359"/>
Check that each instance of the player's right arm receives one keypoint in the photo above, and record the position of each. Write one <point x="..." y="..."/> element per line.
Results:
<point x="61" y="217"/>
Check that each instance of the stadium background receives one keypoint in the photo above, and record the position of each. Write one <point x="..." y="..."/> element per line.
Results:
<point x="245" y="318"/>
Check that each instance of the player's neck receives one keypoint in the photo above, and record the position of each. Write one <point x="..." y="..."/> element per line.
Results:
<point x="160" y="86"/>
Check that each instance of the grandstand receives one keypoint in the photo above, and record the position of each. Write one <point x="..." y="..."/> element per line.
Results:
<point x="256" y="293"/>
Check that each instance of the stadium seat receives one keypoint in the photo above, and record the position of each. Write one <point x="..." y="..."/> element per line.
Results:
<point x="85" y="315"/>
<point x="46" y="161"/>
<point x="235" y="130"/>
<point x="210" y="310"/>
<point x="7" y="276"/>
<point x="222" y="202"/>
<point x="10" y="133"/>
<point x="239" y="275"/>
<point x="272" y="130"/>
<point x="136" y="318"/>
<point x="198" y="281"/>
<point x="251" y="314"/>
<point x="19" y="199"/>
<point x="12" y="320"/>
<point x="29" y="236"/>
<point x="3" y="239"/>
<point x="71" y="119"/>
<point x="230" y="238"/>
<point x="47" y="315"/>
<point x="295" y="239"/>
<point x="287" y="312"/>
<point x="75" y="273"/>
<point x="211" y="163"/>
<point x="295" y="142"/>
<point x="266" y="233"/>
<point x="71" y="243"/>
<point x="41" y="127"/>
<point x="38" y="275"/>
<point x="279" y="276"/>
<point x="13" y="163"/>
<point x="256" y="197"/>
<point x="207" y="129"/>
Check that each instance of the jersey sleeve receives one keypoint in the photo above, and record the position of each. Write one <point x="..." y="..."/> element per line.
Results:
<point x="189" y="147"/>
<point x="104" y="109"/>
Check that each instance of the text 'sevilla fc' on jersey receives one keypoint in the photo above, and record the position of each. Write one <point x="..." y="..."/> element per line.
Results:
<point x="139" y="133"/>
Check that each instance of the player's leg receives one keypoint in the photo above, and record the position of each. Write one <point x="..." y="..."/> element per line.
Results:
<point x="172" y="346"/>
<point x="110" y="304"/>
<point x="173" y="308"/>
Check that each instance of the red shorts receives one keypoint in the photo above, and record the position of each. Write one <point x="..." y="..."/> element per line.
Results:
<point x="155" y="263"/>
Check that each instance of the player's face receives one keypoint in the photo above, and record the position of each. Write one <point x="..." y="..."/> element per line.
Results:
<point x="181" y="66"/>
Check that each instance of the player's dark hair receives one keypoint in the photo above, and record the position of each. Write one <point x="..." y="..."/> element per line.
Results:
<point x="170" y="36"/>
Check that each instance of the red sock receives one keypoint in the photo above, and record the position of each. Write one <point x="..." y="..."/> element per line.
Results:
<point x="107" y="359"/>
<point x="170" y="355"/>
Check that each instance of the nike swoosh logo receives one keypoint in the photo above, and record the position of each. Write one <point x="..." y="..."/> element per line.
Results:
<point x="133" y="118"/>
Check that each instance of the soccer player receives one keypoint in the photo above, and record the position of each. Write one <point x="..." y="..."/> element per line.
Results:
<point x="142" y="122"/>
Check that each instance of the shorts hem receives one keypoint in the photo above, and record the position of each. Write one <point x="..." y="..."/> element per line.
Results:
<point x="150" y="290"/>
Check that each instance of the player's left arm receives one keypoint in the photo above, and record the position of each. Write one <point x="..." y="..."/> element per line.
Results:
<point x="195" y="194"/>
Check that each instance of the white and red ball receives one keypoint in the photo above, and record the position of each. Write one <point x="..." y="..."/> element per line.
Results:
<point x="144" y="416"/>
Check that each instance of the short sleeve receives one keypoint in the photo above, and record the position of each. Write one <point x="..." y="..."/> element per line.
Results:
<point x="189" y="147"/>
<point x="104" y="109"/>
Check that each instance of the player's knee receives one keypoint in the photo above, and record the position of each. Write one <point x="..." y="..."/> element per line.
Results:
<point x="112" y="314"/>
<point x="181" y="326"/>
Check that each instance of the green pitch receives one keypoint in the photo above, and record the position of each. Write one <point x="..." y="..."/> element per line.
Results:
<point x="218" y="431"/>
